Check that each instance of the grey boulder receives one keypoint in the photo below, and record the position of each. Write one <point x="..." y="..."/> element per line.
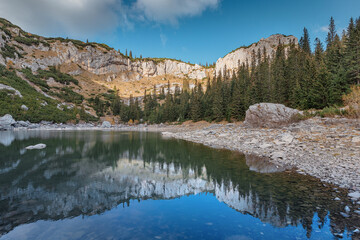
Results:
<point x="270" y="115"/>
<point x="106" y="124"/>
<point x="7" y="122"/>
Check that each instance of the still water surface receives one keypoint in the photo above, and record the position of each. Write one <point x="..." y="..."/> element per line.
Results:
<point x="116" y="185"/>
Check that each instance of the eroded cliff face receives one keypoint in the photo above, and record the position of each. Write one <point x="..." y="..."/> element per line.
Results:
<point x="109" y="69"/>
<point x="94" y="59"/>
<point x="233" y="60"/>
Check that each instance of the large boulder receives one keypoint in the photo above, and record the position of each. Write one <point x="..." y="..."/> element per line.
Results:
<point x="106" y="124"/>
<point x="7" y="122"/>
<point x="270" y="115"/>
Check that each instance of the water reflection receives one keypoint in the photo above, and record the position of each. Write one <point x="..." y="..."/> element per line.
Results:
<point x="88" y="173"/>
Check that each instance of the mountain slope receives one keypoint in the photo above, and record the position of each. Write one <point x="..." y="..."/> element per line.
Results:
<point x="83" y="78"/>
<point x="234" y="59"/>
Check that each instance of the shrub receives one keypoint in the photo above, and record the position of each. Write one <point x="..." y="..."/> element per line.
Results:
<point x="10" y="104"/>
<point x="35" y="79"/>
<point x="9" y="51"/>
<point x="27" y="41"/>
<point x="353" y="101"/>
<point x="332" y="112"/>
<point x="57" y="76"/>
<point x="69" y="95"/>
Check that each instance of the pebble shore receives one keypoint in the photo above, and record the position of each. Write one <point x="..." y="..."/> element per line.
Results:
<point x="328" y="149"/>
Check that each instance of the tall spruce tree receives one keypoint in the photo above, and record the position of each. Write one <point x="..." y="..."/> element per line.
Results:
<point x="305" y="42"/>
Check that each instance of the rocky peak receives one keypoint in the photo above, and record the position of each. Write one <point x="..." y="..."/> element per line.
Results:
<point x="233" y="60"/>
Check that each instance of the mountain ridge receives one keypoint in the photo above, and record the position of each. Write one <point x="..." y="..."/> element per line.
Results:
<point x="95" y="70"/>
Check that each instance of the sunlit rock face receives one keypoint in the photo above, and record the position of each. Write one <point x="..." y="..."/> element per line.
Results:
<point x="232" y="61"/>
<point x="99" y="61"/>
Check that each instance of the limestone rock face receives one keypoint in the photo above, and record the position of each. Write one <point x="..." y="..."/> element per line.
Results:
<point x="233" y="60"/>
<point x="99" y="62"/>
<point x="270" y="115"/>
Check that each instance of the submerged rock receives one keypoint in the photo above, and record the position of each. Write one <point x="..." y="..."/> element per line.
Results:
<point x="37" y="146"/>
<point x="270" y="115"/>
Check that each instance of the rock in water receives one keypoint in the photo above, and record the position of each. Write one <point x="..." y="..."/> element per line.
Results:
<point x="6" y="122"/>
<point x="270" y="115"/>
<point x="106" y="124"/>
<point x="37" y="146"/>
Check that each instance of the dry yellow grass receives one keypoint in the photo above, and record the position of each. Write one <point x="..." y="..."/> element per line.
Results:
<point x="353" y="101"/>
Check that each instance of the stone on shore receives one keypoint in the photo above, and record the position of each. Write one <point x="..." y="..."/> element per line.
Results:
<point x="355" y="195"/>
<point x="24" y="107"/>
<point x="106" y="124"/>
<point x="37" y="146"/>
<point x="7" y="122"/>
<point x="270" y="115"/>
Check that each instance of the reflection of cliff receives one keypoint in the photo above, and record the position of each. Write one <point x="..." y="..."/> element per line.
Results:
<point x="91" y="172"/>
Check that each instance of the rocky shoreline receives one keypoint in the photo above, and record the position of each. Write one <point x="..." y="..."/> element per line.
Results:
<point x="326" y="148"/>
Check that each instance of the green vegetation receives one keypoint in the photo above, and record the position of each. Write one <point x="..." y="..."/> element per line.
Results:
<point x="9" y="51"/>
<point x="299" y="78"/>
<point x="31" y="98"/>
<point x="27" y="40"/>
<point x="331" y="112"/>
<point x="38" y="111"/>
<point x="35" y="79"/>
<point x="57" y="76"/>
<point x="68" y="95"/>
<point x="80" y="44"/>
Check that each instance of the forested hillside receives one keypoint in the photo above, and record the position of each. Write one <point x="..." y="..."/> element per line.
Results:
<point x="297" y="77"/>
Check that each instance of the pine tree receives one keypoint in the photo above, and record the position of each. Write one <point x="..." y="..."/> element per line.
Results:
<point x="116" y="105"/>
<point x="332" y="33"/>
<point x="217" y="108"/>
<point x="195" y="104"/>
<point x="280" y="89"/>
<point x="352" y="52"/>
<point x="321" y="89"/>
<point x="184" y="107"/>
<point x="335" y="65"/>
<point x="305" y="42"/>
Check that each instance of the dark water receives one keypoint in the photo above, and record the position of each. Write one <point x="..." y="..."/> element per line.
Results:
<point x="112" y="185"/>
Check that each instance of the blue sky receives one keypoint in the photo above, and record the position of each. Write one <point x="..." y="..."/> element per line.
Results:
<point x="198" y="31"/>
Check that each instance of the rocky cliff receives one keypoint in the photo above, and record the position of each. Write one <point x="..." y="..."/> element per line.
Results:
<point x="233" y="60"/>
<point x="72" y="73"/>
<point x="96" y="66"/>
<point x="37" y="52"/>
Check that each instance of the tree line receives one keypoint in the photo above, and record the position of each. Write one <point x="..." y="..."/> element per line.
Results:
<point x="294" y="75"/>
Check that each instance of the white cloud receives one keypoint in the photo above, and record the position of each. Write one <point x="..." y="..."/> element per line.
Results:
<point x="82" y="18"/>
<point x="75" y="17"/>
<point x="324" y="29"/>
<point x="169" y="11"/>
<point x="163" y="39"/>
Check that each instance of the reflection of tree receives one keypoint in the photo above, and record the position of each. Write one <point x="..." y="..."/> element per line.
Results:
<point x="71" y="160"/>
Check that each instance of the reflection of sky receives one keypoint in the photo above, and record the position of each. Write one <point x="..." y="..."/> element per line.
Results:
<point x="197" y="217"/>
